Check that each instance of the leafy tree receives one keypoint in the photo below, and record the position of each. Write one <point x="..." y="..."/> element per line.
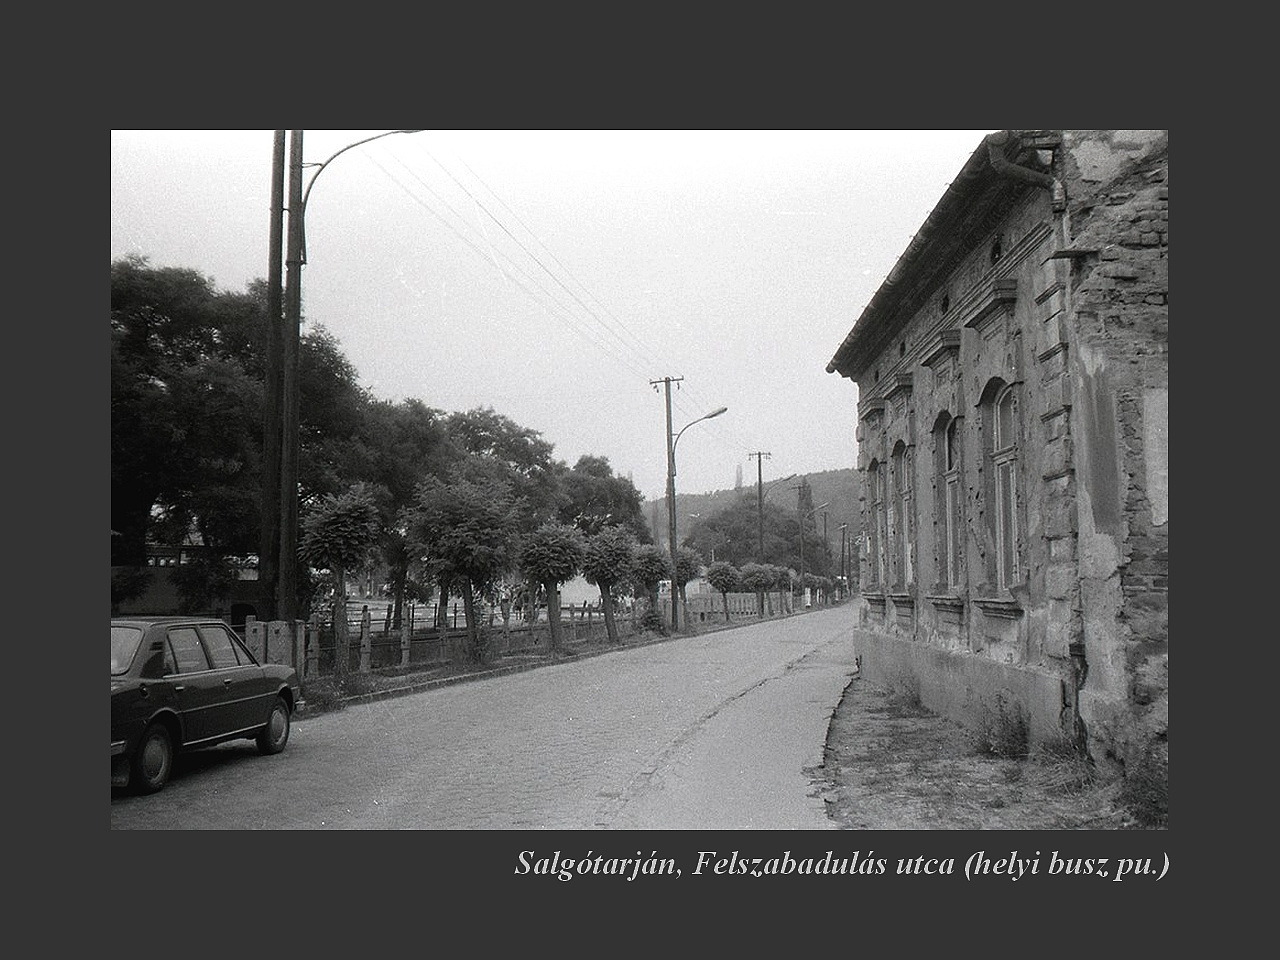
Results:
<point x="609" y="562"/>
<point x="186" y="402"/>
<point x="465" y="532"/>
<point x="688" y="566"/>
<point x="593" y="498"/>
<point x="652" y="566"/>
<point x="399" y="445"/>
<point x="204" y="582"/>
<point x="128" y="583"/>
<point x="732" y="533"/>
<point x="726" y="578"/>
<point x="503" y="450"/>
<point x="552" y="555"/>
<point x="337" y="533"/>
<point x="187" y="374"/>
<point x="759" y="578"/>
<point x="333" y="418"/>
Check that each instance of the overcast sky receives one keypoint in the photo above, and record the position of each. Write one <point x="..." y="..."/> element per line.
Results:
<point x="551" y="275"/>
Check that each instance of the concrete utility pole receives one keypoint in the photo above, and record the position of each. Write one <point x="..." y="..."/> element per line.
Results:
<point x="844" y="537"/>
<point x="281" y="524"/>
<point x="272" y="425"/>
<point x="760" y="456"/>
<point x="287" y="592"/>
<point x="803" y="517"/>
<point x="672" y="440"/>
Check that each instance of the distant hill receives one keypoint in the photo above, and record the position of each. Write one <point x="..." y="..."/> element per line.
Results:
<point x="840" y="488"/>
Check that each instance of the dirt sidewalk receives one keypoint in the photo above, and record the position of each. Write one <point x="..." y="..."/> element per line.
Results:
<point x="891" y="765"/>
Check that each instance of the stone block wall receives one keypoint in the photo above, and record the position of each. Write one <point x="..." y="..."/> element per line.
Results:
<point x="1119" y="215"/>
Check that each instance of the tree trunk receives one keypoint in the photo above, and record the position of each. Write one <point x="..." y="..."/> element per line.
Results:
<point x="442" y="606"/>
<point x="474" y="647"/>
<point x="725" y="597"/>
<point x="399" y="576"/>
<point x="553" y="616"/>
<point x="342" y="646"/>
<point x="606" y="605"/>
<point x="684" y="604"/>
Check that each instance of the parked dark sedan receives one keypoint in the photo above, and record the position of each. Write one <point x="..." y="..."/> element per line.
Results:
<point x="182" y="683"/>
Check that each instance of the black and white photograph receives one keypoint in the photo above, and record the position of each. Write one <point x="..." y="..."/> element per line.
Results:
<point x="689" y="482"/>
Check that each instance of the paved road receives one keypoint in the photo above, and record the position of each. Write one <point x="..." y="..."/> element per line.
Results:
<point x="710" y="732"/>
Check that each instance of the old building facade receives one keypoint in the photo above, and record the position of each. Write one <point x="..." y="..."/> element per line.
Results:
<point x="1013" y="391"/>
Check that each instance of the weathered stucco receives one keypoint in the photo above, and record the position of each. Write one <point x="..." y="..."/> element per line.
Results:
<point x="1047" y="283"/>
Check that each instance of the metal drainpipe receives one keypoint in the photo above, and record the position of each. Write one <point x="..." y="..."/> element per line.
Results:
<point x="1058" y="194"/>
<point x="1002" y="166"/>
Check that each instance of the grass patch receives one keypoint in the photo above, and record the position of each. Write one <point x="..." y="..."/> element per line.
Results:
<point x="1003" y="731"/>
<point x="1062" y="766"/>
<point x="903" y="698"/>
<point x="327" y="693"/>
<point x="1145" y="792"/>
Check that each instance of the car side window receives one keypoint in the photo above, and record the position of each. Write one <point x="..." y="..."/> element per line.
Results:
<point x="222" y="651"/>
<point x="185" y="655"/>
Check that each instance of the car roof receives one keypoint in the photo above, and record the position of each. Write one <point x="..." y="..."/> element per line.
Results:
<point x="152" y="621"/>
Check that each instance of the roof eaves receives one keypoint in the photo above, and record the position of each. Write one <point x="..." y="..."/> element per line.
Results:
<point x="848" y="360"/>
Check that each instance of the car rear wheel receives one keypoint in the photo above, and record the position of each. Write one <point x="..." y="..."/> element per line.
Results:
<point x="153" y="760"/>
<point x="276" y="733"/>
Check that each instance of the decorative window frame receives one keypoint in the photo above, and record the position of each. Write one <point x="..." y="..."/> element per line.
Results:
<point x="1001" y="445"/>
<point x="949" y="504"/>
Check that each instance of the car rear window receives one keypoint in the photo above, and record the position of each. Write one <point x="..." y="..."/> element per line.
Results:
<point x="124" y="644"/>
<point x="222" y="649"/>
<point x="187" y="653"/>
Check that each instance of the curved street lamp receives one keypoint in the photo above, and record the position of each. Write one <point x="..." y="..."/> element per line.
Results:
<point x="671" y="503"/>
<point x="280" y="444"/>
<point x="804" y="516"/>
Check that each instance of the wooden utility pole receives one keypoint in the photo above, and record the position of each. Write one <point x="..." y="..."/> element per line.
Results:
<point x="760" y="456"/>
<point x="671" y="497"/>
<point x="272" y="424"/>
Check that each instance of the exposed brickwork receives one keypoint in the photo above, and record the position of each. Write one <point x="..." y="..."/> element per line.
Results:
<point x="1059" y="290"/>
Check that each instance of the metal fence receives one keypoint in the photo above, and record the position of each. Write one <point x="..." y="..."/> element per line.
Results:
<point x="424" y="639"/>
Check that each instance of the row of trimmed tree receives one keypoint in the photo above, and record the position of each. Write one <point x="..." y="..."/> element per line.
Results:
<point x="431" y="500"/>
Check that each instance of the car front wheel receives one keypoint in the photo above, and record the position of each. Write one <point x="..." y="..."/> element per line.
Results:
<point x="276" y="733"/>
<point x="153" y="760"/>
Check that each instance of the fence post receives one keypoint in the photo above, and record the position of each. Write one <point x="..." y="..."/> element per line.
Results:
<point x="313" y="650"/>
<point x="364" y="639"/>
<point x="255" y="638"/>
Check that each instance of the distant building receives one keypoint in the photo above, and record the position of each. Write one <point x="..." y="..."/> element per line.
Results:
<point x="1013" y="440"/>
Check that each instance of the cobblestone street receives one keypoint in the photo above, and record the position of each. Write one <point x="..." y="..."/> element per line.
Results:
<point x="722" y="730"/>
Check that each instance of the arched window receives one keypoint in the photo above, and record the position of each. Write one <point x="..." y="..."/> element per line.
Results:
<point x="950" y="502"/>
<point x="879" y="522"/>
<point x="1004" y="460"/>
<point x="900" y="535"/>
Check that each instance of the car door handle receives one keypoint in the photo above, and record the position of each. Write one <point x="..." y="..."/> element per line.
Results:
<point x="226" y="682"/>
<point x="179" y="688"/>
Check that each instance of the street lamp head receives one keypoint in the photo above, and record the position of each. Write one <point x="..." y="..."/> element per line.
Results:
<point x="716" y="413"/>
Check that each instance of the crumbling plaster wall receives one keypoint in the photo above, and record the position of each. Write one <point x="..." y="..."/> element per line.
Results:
<point x="968" y="656"/>
<point x="1088" y="338"/>
<point x="1118" y="193"/>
